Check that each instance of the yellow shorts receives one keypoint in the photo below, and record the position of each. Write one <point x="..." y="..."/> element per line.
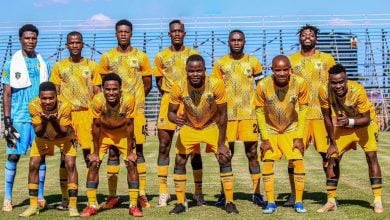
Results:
<point x="139" y="128"/>
<point x="282" y="144"/>
<point x="163" y="121"/>
<point x="189" y="139"/>
<point x="82" y="124"/>
<point x="119" y="143"/>
<point x="243" y="130"/>
<point x="42" y="147"/>
<point x="315" y="132"/>
<point x="366" y="137"/>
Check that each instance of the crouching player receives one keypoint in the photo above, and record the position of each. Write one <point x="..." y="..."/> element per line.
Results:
<point x="51" y="119"/>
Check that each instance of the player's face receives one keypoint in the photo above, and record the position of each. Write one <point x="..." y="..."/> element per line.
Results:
<point x="308" y="39"/>
<point x="177" y="34"/>
<point x="75" y="45"/>
<point x="338" y="83"/>
<point x="196" y="73"/>
<point x="28" y="40"/>
<point x="123" y="35"/>
<point x="236" y="43"/>
<point x="281" y="68"/>
<point x="112" y="91"/>
<point x="48" y="100"/>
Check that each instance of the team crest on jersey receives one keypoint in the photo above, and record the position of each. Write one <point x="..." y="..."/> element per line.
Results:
<point x="293" y="99"/>
<point x="4" y="74"/>
<point x="121" y="115"/>
<point x="18" y="75"/>
<point x="318" y="65"/>
<point x="134" y="63"/>
<point x="86" y="74"/>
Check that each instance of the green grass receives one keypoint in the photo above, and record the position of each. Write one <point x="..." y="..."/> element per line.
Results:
<point x="354" y="192"/>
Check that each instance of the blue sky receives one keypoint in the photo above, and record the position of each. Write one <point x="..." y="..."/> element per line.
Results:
<point x="43" y="10"/>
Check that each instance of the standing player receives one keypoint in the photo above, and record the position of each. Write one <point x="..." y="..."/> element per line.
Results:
<point x="21" y="78"/>
<point x="50" y="117"/>
<point x="349" y="119"/>
<point x="170" y="67"/>
<point x="113" y="112"/>
<point x="77" y="80"/>
<point x="239" y="72"/>
<point x="313" y="66"/>
<point x="133" y="66"/>
<point x="281" y="106"/>
<point x="204" y="119"/>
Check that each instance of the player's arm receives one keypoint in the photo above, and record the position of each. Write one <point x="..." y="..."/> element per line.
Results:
<point x="62" y="130"/>
<point x="222" y="123"/>
<point x="130" y="140"/>
<point x="159" y="80"/>
<point x="178" y="119"/>
<point x="96" y="132"/>
<point x="96" y="89"/>
<point x="110" y="124"/>
<point x="7" y="97"/>
<point x="147" y="80"/>
<point x="40" y="128"/>
<point x="354" y="122"/>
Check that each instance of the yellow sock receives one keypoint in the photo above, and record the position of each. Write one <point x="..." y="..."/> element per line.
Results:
<point x="162" y="172"/>
<point x="255" y="176"/>
<point x="299" y="179"/>
<point x="331" y="187"/>
<point x="198" y="175"/>
<point x="290" y="171"/>
<point x="376" y="186"/>
<point x="91" y="193"/>
<point x="227" y="180"/>
<point x="269" y="180"/>
<point x="133" y="187"/>
<point x="72" y="192"/>
<point x="141" y="167"/>
<point x="64" y="182"/>
<point x="33" y="193"/>
<point x="112" y="177"/>
<point x="180" y="179"/>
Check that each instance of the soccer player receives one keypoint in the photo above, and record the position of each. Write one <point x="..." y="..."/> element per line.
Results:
<point x="113" y="112"/>
<point x="281" y="106"/>
<point x="170" y="67"/>
<point x="203" y="120"/>
<point x="50" y="117"/>
<point x="350" y="119"/>
<point x="77" y="80"/>
<point x="21" y="78"/>
<point x="133" y="66"/>
<point x="239" y="72"/>
<point x="313" y="66"/>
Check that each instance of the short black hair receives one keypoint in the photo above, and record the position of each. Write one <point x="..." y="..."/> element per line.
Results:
<point x="47" y="86"/>
<point x="336" y="69"/>
<point x="309" y="27"/>
<point x="176" y="21"/>
<point x="74" y="33"/>
<point x="28" y="27"/>
<point x="236" y="31"/>
<point x="195" y="57"/>
<point x="112" y="77"/>
<point x="124" y="22"/>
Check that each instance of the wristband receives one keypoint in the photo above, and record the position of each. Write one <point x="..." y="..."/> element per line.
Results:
<point x="351" y="122"/>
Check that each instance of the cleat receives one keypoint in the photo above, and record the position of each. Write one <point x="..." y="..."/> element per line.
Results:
<point x="30" y="211"/>
<point x="298" y="207"/>
<point x="163" y="199"/>
<point x="135" y="211"/>
<point x="378" y="207"/>
<point x="64" y="205"/>
<point x="73" y="212"/>
<point x="143" y="202"/>
<point x="179" y="208"/>
<point x="111" y="202"/>
<point x="7" y="206"/>
<point x="231" y="208"/>
<point x="290" y="201"/>
<point x="329" y="206"/>
<point x="271" y="208"/>
<point x="199" y="199"/>
<point x="88" y="212"/>
<point x="221" y="201"/>
<point x="258" y="200"/>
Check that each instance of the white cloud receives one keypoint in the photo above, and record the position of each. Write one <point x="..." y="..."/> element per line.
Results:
<point x="98" y="20"/>
<point x="43" y="3"/>
<point x="340" y="22"/>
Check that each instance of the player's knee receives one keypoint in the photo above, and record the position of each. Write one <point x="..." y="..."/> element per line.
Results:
<point x="164" y="148"/>
<point x="180" y="161"/>
<point x="14" y="158"/>
<point x="70" y="165"/>
<point x="34" y="165"/>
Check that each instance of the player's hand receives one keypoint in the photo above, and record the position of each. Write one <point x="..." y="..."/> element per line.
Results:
<point x="298" y="144"/>
<point x="94" y="157"/>
<point x="223" y="151"/>
<point x="342" y="120"/>
<point x="332" y="151"/>
<point x="10" y="133"/>
<point x="131" y="157"/>
<point x="264" y="147"/>
<point x="180" y="119"/>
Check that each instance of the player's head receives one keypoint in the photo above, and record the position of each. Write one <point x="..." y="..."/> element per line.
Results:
<point x="74" y="43"/>
<point x="123" y="32"/>
<point x="196" y="70"/>
<point x="48" y="96"/>
<point x="281" y="68"/>
<point x="308" y="36"/>
<point x="112" y="84"/>
<point x="236" y="41"/>
<point x="338" y="80"/>
<point x="176" y="32"/>
<point x="28" y="37"/>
